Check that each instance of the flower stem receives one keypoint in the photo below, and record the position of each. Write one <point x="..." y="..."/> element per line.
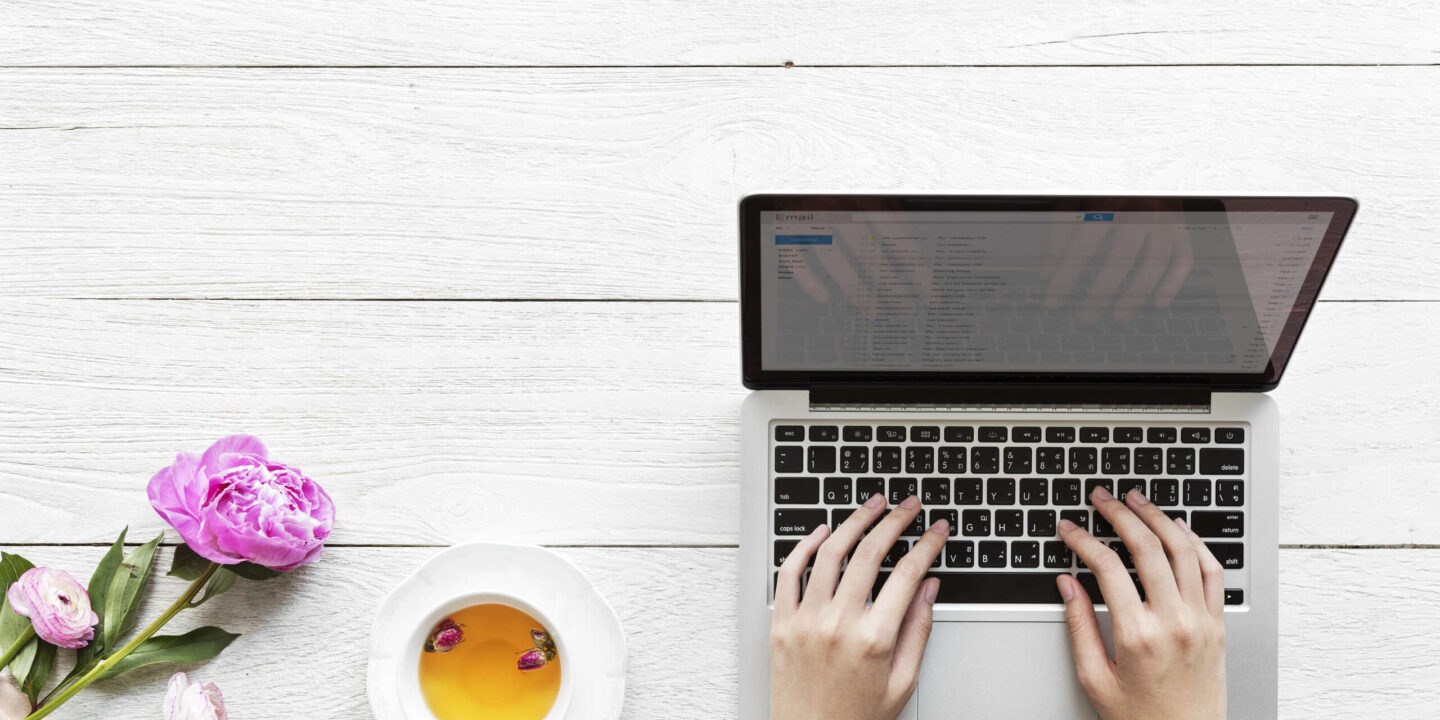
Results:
<point x="14" y="650"/>
<point x="95" y="673"/>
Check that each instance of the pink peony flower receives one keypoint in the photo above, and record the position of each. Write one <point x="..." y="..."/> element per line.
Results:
<point x="444" y="637"/>
<point x="57" y="605"/>
<point x="233" y="505"/>
<point x="184" y="701"/>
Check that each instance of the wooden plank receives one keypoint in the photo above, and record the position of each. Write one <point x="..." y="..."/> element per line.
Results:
<point x="743" y="32"/>
<point x="586" y="423"/>
<point x="1371" y="613"/>
<point x="467" y="183"/>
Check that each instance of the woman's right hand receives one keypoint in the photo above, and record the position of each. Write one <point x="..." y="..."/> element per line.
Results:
<point x="1169" y="649"/>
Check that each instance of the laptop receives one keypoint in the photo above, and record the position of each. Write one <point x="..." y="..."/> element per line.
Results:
<point x="999" y="356"/>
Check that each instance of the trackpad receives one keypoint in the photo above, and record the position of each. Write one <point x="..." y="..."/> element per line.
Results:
<point x="1000" y="670"/>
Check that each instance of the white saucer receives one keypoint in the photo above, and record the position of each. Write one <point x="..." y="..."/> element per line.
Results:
<point x="588" y="634"/>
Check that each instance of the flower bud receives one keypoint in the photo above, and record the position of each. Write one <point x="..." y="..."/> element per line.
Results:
<point x="444" y="637"/>
<point x="533" y="660"/>
<point x="57" y="605"/>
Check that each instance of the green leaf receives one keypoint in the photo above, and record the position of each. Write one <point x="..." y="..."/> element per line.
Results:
<point x="122" y="598"/>
<point x="251" y="571"/>
<point x="12" y="624"/>
<point x="218" y="583"/>
<point x="43" y="661"/>
<point x="197" y="645"/>
<point x="98" y="587"/>
<point x="187" y="564"/>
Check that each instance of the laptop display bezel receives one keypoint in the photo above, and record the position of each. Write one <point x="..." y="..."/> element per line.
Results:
<point x="751" y="207"/>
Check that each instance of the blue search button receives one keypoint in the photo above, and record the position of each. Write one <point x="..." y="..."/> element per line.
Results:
<point x="1099" y="217"/>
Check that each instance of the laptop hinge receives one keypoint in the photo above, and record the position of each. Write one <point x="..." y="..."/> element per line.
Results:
<point x="1013" y="397"/>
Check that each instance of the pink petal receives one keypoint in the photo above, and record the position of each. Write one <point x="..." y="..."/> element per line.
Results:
<point x="216" y="460"/>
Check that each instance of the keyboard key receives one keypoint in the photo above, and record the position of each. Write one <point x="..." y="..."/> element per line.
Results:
<point x="1011" y="588"/>
<point x="837" y="491"/>
<point x="1092" y="586"/>
<point x="1165" y="492"/>
<point x="799" y="522"/>
<point x="1222" y="461"/>
<point x="1079" y="517"/>
<point x="985" y="460"/>
<point x="1040" y="523"/>
<point x="959" y="554"/>
<point x="1057" y="554"/>
<point x="992" y="555"/>
<point x="1093" y="483"/>
<point x="1148" y="461"/>
<point x="935" y="491"/>
<point x="838" y="516"/>
<point x="925" y="433"/>
<point x="1124" y="486"/>
<point x="857" y="433"/>
<point x="1230" y="554"/>
<point x="1115" y="460"/>
<point x="1160" y="435"/>
<point x="1033" y="491"/>
<point x="1025" y="554"/>
<point x="821" y="459"/>
<point x="1197" y="492"/>
<point x="902" y="488"/>
<point x="866" y="487"/>
<point x="1124" y="553"/>
<point x="919" y="460"/>
<point x="975" y="523"/>
<point x="1129" y="435"/>
<point x="1229" y="493"/>
<point x="1176" y="514"/>
<point x="1180" y="461"/>
<point x="892" y="433"/>
<point x="1017" y="460"/>
<point x="952" y="460"/>
<point x="1066" y="492"/>
<point x="783" y="549"/>
<point x="1230" y="435"/>
<point x="1026" y="435"/>
<point x="789" y="433"/>
<point x="1222" y="523"/>
<point x="949" y="514"/>
<point x="1000" y="491"/>
<point x="894" y="555"/>
<point x="886" y="459"/>
<point x="1234" y="596"/>
<point x="824" y="433"/>
<point x="1102" y="527"/>
<point x="1050" y="460"/>
<point x="797" y="490"/>
<point x="959" y="434"/>
<point x="854" y="459"/>
<point x="1195" y="435"/>
<point x="993" y="434"/>
<point x="969" y="491"/>
<point x="789" y="459"/>
<point x="1009" y="523"/>
<point x="1082" y="461"/>
<point x="916" y="528"/>
<point x="1060" y="434"/>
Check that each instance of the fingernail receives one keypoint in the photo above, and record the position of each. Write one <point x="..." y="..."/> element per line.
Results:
<point x="1102" y="493"/>
<point x="941" y="527"/>
<point x="875" y="501"/>
<point x="1067" y="590"/>
<point x="911" y="503"/>
<point x="1067" y="526"/>
<point x="932" y="588"/>
<point x="1137" y="496"/>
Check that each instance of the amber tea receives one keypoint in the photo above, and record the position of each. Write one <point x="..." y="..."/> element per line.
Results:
<point x="490" y="661"/>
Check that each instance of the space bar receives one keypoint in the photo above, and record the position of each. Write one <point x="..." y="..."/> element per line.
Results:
<point x="1008" y="588"/>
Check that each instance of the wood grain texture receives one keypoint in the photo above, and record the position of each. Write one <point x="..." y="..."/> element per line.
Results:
<point x="429" y="183"/>
<point x="1360" y="631"/>
<point x="573" y="423"/>
<point x="742" y="32"/>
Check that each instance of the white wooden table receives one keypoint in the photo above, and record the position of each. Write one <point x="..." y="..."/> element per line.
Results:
<point x="473" y="266"/>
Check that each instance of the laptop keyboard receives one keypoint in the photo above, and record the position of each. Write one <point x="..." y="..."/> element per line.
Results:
<point x="1004" y="489"/>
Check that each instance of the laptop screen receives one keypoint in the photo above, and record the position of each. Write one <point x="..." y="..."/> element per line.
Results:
<point x="1121" y="287"/>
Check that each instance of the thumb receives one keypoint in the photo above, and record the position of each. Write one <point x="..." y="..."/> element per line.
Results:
<point x="1092" y="663"/>
<point x="914" y="634"/>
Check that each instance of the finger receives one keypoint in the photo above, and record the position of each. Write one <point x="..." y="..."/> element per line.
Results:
<point x="914" y="634"/>
<point x="1184" y="561"/>
<point x="1116" y="587"/>
<point x="825" y="576"/>
<point x="1212" y="572"/>
<point x="1149" y="554"/>
<point x="1180" y="266"/>
<point x="1129" y="241"/>
<point x="1076" y="259"/>
<point x="1092" y="662"/>
<point x="899" y="590"/>
<point x="792" y="571"/>
<point x="865" y="563"/>
<point x="1153" y="264"/>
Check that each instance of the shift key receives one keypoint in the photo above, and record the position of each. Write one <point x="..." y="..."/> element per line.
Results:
<point x="1222" y="461"/>
<point x="798" y="522"/>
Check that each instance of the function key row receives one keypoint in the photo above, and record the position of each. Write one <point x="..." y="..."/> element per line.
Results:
<point x="1003" y="433"/>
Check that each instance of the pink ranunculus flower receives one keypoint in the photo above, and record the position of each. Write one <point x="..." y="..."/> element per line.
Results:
<point x="57" y="605"/>
<point x="233" y="505"/>
<point x="197" y="701"/>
